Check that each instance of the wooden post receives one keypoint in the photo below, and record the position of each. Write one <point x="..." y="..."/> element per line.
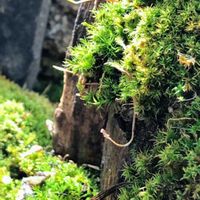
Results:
<point x="77" y="127"/>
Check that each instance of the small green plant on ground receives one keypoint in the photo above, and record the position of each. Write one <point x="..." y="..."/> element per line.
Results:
<point x="149" y="50"/>
<point x="39" y="107"/>
<point x="22" y="128"/>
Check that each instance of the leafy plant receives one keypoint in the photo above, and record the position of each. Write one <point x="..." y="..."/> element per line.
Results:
<point x="39" y="107"/>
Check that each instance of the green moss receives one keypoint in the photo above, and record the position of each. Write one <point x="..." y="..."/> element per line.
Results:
<point x="22" y="125"/>
<point x="150" y="50"/>
<point x="69" y="182"/>
<point x="144" y="42"/>
<point x="39" y="107"/>
<point x="173" y="162"/>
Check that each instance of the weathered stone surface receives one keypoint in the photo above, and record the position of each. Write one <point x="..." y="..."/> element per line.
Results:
<point x="22" y="28"/>
<point x="57" y="38"/>
<point x="60" y="25"/>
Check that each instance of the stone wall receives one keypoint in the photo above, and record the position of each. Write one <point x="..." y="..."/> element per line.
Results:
<point x="22" y="29"/>
<point x="57" y="38"/>
<point x="59" y="28"/>
<point x="34" y="35"/>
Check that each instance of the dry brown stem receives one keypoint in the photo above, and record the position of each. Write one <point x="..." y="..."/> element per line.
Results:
<point x="107" y="136"/>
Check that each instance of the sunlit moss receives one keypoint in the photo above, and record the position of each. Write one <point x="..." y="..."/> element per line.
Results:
<point x="22" y="126"/>
<point x="153" y="51"/>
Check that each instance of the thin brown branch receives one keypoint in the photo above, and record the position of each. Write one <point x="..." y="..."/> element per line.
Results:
<point x="107" y="136"/>
<point x="113" y="189"/>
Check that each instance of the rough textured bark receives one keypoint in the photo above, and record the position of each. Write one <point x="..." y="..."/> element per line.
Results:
<point x="113" y="157"/>
<point x="84" y="14"/>
<point x="77" y="127"/>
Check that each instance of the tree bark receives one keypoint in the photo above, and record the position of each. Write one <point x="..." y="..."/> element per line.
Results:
<point x="113" y="157"/>
<point x="77" y="127"/>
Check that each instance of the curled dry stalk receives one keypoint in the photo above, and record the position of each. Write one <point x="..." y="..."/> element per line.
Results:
<point x="108" y="137"/>
<point x="177" y="119"/>
<point x="186" y="100"/>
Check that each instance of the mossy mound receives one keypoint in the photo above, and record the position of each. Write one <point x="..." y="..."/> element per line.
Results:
<point x="133" y="50"/>
<point x="39" y="107"/>
<point x="22" y="128"/>
<point x="171" y="169"/>
<point x="149" y="51"/>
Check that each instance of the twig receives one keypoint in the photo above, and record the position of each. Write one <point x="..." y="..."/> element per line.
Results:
<point x="62" y="69"/>
<point x="101" y="82"/>
<point x="127" y="104"/>
<point x="110" y="191"/>
<point x="185" y="100"/>
<point x="118" y="67"/>
<point x="65" y="157"/>
<point x="47" y="88"/>
<point x="190" y="99"/>
<point x="91" y="84"/>
<point x="178" y="119"/>
<point x="91" y="166"/>
<point x="78" y="2"/>
<point x="107" y="136"/>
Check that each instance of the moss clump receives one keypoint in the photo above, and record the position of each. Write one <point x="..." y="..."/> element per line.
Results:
<point x="22" y="125"/>
<point x="136" y="51"/>
<point x="69" y="182"/>
<point x="171" y="169"/>
<point x="149" y="50"/>
<point x="39" y="107"/>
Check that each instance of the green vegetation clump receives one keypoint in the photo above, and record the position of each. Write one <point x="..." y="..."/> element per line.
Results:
<point x="149" y="51"/>
<point x="22" y="128"/>
<point x="171" y="169"/>
<point x="39" y="107"/>
<point x="133" y="51"/>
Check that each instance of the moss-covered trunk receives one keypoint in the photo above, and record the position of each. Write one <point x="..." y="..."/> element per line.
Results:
<point x="77" y="127"/>
<point x="149" y="54"/>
